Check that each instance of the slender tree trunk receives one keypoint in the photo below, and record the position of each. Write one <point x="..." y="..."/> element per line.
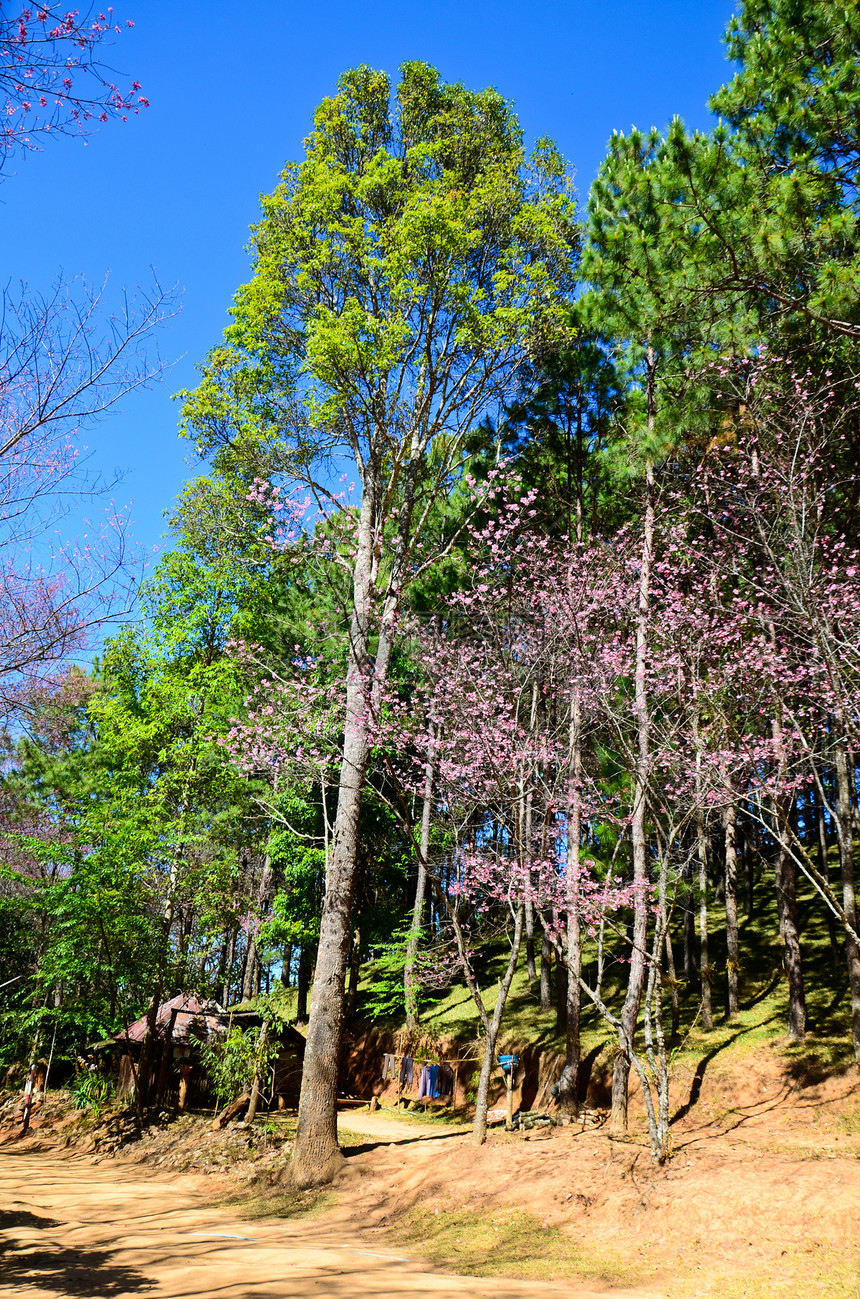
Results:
<point x="786" y="883"/>
<point x="257" y="1085"/>
<point x="560" y="993"/>
<point x="545" y="974"/>
<point x="636" y="979"/>
<point x="147" y="1050"/>
<point x="749" y="873"/>
<point x="786" y="887"/>
<point x="251" y="981"/>
<point x="673" y="984"/>
<point x="410" y="982"/>
<point x="704" y="957"/>
<point x="531" y="965"/>
<point x="732" y="943"/>
<point x="250" y="975"/>
<point x="569" y="1080"/>
<point x="845" y="828"/>
<point x="824" y="871"/>
<point x="228" y="967"/>
<point x="354" y="969"/>
<point x="303" y="982"/>
<point x="492" y="1026"/>
<point x="691" y="963"/>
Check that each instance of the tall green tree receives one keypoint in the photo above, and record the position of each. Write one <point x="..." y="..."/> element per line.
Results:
<point x="402" y="272"/>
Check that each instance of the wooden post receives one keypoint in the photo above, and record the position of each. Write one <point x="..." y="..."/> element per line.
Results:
<point x="28" y="1099"/>
<point x="509" y="1083"/>
<point x="185" y="1074"/>
<point x="166" y="1056"/>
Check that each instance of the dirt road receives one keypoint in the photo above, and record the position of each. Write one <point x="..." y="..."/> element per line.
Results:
<point x="69" y="1227"/>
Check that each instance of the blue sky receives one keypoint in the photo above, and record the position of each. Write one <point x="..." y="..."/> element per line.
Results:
<point x="232" y="88"/>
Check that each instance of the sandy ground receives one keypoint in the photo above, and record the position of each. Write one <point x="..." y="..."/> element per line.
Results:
<point x="761" y="1198"/>
<point x="68" y="1227"/>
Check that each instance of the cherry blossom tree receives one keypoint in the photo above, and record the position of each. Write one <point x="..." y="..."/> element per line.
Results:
<point x="52" y="77"/>
<point x="63" y="365"/>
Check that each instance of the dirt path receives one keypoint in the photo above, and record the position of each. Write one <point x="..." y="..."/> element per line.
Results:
<point x="393" y="1130"/>
<point x="69" y="1227"/>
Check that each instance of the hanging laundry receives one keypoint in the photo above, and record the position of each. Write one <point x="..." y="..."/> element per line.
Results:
<point x="445" y="1080"/>
<point x="406" y="1071"/>
<point x="389" y="1066"/>
<point x="424" y="1084"/>
<point x="433" y="1081"/>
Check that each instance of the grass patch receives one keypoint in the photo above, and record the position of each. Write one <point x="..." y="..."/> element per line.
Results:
<point x="815" y="1273"/>
<point x="504" y="1243"/>
<point x="276" y="1202"/>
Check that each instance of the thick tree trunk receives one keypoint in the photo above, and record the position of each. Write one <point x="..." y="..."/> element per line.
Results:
<point x="316" y="1156"/>
<point x="845" y="827"/>
<point x="732" y="942"/>
<point x="636" y="978"/>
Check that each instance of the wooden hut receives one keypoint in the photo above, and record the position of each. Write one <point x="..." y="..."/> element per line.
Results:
<point x="180" y="1025"/>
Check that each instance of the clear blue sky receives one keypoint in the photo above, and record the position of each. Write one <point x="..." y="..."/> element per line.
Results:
<point x="232" y="87"/>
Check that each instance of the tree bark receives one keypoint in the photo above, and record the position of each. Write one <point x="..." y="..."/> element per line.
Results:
<point x="303" y="981"/>
<point x="732" y="943"/>
<point x="144" y="1069"/>
<point x="560" y="993"/>
<point x="492" y="1026"/>
<point x="673" y="983"/>
<point x="636" y="979"/>
<point x="824" y="871"/>
<point x="228" y="967"/>
<point x="410" y="982"/>
<point x="545" y="974"/>
<point x="316" y="1156"/>
<point x="845" y="829"/>
<point x="691" y="963"/>
<point x="354" y="969"/>
<point x="704" y="957"/>
<point x="569" y="1080"/>
<point x="257" y="1085"/>
<point x="786" y="883"/>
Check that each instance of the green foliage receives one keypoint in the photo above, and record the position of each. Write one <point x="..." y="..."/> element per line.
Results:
<point x="384" y="996"/>
<point x="232" y="1060"/>
<point x="90" y="1091"/>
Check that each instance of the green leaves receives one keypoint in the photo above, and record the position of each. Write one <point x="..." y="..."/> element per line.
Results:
<point x="413" y="253"/>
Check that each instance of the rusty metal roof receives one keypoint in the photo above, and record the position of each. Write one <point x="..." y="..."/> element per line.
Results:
<point x="194" y="1019"/>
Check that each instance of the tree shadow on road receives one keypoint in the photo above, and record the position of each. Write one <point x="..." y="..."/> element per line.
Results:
<point x="64" y="1270"/>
